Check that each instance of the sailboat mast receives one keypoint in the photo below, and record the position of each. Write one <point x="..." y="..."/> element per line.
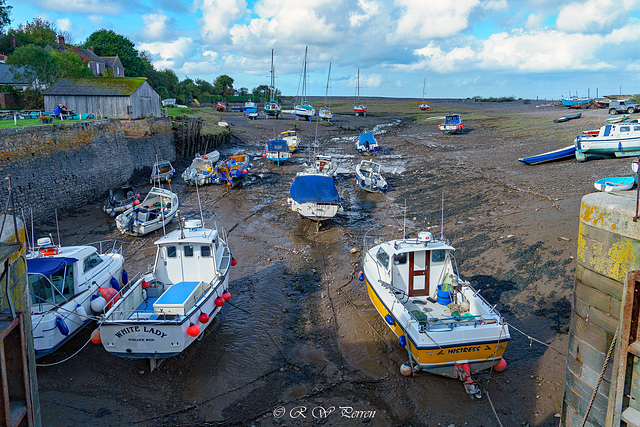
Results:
<point x="273" y="83"/>
<point x="424" y="85"/>
<point x="358" y="86"/>
<point x="326" y="93"/>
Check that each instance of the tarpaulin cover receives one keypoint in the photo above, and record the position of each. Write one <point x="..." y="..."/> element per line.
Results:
<point x="314" y="188"/>
<point x="367" y="137"/>
<point x="48" y="266"/>
<point x="277" y="145"/>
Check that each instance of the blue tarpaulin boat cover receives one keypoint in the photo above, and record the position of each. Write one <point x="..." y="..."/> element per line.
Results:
<point x="314" y="188"/>
<point x="48" y="266"/>
<point x="367" y="137"/>
<point x="277" y="145"/>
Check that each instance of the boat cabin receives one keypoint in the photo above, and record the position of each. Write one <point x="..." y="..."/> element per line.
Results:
<point x="415" y="266"/>
<point x="190" y="257"/>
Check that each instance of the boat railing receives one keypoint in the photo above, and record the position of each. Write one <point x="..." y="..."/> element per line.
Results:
<point x="107" y="246"/>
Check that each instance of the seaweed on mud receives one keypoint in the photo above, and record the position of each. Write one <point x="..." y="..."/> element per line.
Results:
<point x="559" y="311"/>
<point x="307" y="282"/>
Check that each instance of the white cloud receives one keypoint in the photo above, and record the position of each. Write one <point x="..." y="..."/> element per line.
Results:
<point x="169" y="54"/>
<point x="593" y="16"/>
<point x="369" y="10"/>
<point x="534" y="21"/>
<point x="540" y="51"/>
<point x="457" y="59"/>
<point x="155" y="27"/>
<point x="495" y="5"/>
<point x="218" y="16"/>
<point x="64" y="24"/>
<point x="434" y="18"/>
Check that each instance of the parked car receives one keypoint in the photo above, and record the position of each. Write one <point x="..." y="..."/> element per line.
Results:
<point x="619" y="106"/>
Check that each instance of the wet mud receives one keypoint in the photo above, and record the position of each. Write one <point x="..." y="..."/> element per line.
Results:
<point x="299" y="342"/>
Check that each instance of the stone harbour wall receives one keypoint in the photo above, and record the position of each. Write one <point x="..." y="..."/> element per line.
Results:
<point x="60" y="165"/>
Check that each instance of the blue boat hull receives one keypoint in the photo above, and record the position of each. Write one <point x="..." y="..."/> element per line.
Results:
<point x="551" y="156"/>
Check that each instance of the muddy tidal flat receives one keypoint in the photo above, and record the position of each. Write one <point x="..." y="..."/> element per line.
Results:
<point x="301" y="343"/>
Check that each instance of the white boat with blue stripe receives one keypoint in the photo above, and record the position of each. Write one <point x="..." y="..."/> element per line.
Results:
<point x="612" y="140"/>
<point x="166" y="310"/>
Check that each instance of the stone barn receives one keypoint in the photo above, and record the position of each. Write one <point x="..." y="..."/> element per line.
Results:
<point x="118" y="98"/>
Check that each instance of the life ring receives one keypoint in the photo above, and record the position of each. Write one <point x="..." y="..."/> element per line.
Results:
<point x="49" y="251"/>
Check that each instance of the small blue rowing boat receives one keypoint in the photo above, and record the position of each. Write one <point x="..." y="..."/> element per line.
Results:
<point x="616" y="183"/>
<point x="561" y="153"/>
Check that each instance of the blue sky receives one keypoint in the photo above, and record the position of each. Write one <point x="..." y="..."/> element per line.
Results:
<point x="464" y="48"/>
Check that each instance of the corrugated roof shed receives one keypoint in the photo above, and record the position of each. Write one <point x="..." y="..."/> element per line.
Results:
<point x="105" y="86"/>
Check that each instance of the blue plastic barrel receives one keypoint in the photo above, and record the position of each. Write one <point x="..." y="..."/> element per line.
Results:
<point x="444" y="297"/>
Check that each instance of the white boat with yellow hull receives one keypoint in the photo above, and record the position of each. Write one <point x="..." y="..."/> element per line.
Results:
<point x="457" y="331"/>
<point x="165" y="311"/>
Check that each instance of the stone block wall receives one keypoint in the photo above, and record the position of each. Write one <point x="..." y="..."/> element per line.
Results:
<point x="52" y="166"/>
<point x="608" y="247"/>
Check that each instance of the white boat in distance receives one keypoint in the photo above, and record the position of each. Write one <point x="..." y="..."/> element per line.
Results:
<point x="168" y="309"/>
<point x="454" y="335"/>
<point x="325" y="113"/>
<point x="612" y="140"/>
<point x="62" y="282"/>
<point x="156" y="211"/>
<point x="304" y="109"/>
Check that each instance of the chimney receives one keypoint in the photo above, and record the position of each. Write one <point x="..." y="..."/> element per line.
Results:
<point x="91" y="48"/>
<point x="61" y="41"/>
<point x="13" y="40"/>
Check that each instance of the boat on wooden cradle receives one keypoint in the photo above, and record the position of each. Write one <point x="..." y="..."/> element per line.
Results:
<point x="120" y="199"/>
<point x="304" y="109"/>
<point x="314" y="195"/>
<point x="292" y="138"/>
<point x="577" y="102"/>
<point x="359" y="108"/>
<point x="69" y="285"/>
<point x="613" y="140"/>
<point x="272" y="108"/>
<point x="166" y="310"/>
<point x="325" y="113"/>
<point x="200" y="172"/>
<point x="233" y="169"/>
<point x="445" y="325"/>
<point x="367" y="143"/>
<point x="161" y="171"/>
<point x="424" y="106"/>
<point x="452" y="124"/>
<point x="567" y="152"/>
<point x="369" y="177"/>
<point x="277" y="151"/>
<point x="155" y="211"/>
<point x="616" y="183"/>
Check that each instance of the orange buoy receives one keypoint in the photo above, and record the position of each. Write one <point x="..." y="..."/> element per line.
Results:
<point x="95" y="337"/>
<point x="500" y="366"/>
<point x="110" y="295"/>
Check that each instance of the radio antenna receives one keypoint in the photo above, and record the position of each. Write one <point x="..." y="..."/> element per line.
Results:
<point x="442" y="219"/>
<point x="404" y="221"/>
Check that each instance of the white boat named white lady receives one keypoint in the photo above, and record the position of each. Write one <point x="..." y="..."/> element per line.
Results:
<point x="162" y="313"/>
<point x="455" y="334"/>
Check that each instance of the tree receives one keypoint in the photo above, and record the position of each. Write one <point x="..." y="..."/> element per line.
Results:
<point x="38" y="32"/>
<point x="5" y="10"/>
<point x="108" y="43"/>
<point x="243" y="91"/>
<point x="71" y="64"/>
<point x="36" y="65"/>
<point x="224" y="85"/>
<point x="261" y="92"/>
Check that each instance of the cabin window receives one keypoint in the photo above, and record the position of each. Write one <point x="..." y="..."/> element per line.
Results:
<point x="399" y="259"/>
<point x="188" y="251"/>
<point x="383" y="258"/>
<point x="438" y="255"/>
<point x="171" y="252"/>
<point x="625" y="128"/>
<point x="636" y="128"/>
<point x="91" y="261"/>
<point x="205" y="251"/>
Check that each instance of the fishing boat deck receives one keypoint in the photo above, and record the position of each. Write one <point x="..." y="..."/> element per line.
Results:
<point x="432" y="315"/>
<point x="176" y="300"/>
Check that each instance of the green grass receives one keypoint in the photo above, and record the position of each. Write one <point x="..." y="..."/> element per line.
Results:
<point x="7" y="124"/>
<point x="209" y="116"/>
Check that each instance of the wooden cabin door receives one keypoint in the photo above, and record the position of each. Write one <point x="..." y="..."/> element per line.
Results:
<point x="418" y="273"/>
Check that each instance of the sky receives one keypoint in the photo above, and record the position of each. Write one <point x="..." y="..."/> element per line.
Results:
<point x="532" y="49"/>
